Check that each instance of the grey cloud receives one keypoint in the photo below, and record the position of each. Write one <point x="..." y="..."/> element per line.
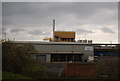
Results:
<point x="81" y="31"/>
<point x="16" y="30"/>
<point x="107" y="30"/>
<point x="0" y="20"/>
<point x="47" y="33"/>
<point x="36" y="32"/>
<point x="41" y="13"/>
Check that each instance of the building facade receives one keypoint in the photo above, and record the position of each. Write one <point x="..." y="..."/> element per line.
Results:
<point x="63" y="52"/>
<point x="71" y="51"/>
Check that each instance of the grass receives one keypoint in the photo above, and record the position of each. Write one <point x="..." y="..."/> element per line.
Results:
<point x="10" y="75"/>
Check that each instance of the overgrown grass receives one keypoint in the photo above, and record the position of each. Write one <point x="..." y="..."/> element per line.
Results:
<point x="10" y="75"/>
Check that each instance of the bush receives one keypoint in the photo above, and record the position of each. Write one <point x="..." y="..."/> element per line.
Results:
<point x="107" y="67"/>
<point x="16" y="56"/>
<point x="10" y="75"/>
<point x="33" y="70"/>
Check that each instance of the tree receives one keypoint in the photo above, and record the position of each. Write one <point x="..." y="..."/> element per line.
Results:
<point x="107" y="67"/>
<point x="15" y="56"/>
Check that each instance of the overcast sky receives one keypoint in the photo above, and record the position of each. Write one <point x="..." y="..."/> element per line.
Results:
<point x="33" y="20"/>
<point x="0" y="20"/>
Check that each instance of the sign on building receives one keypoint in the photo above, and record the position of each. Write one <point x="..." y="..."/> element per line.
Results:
<point x="88" y="47"/>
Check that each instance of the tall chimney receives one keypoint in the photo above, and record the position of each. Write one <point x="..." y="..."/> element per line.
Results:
<point x="53" y="25"/>
<point x="53" y="30"/>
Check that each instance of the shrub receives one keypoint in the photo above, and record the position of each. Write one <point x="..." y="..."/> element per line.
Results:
<point x="107" y="67"/>
<point x="15" y="56"/>
<point x="33" y="70"/>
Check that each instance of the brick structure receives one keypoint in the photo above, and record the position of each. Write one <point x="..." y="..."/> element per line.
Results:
<point x="83" y="70"/>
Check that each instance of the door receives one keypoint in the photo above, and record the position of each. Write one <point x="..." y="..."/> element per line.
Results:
<point x="41" y="58"/>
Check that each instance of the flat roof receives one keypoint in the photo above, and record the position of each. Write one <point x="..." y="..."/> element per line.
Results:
<point x="60" y="52"/>
<point x="57" y="43"/>
<point x="60" y="43"/>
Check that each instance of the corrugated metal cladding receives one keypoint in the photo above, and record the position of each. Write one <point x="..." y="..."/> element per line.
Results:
<point x="41" y="58"/>
<point x="64" y="34"/>
<point x="60" y="48"/>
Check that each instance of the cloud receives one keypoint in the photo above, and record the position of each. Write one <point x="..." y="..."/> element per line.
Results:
<point x="17" y="30"/>
<point x="36" y="14"/>
<point x="107" y="30"/>
<point x="83" y="31"/>
<point x="3" y="30"/>
<point x="0" y="20"/>
<point x="38" y="32"/>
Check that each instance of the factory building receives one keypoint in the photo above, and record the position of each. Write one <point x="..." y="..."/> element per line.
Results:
<point x="62" y="51"/>
<point x="80" y="51"/>
<point x="62" y="36"/>
<point x="106" y="50"/>
<point x="70" y="51"/>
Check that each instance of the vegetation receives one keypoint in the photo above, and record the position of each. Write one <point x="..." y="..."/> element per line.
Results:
<point x="107" y="67"/>
<point x="17" y="59"/>
<point x="10" y="75"/>
<point x="34" y="70"/>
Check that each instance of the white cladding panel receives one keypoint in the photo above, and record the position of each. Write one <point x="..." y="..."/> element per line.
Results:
<point x="88" y="47"/>
<point x="59" y="48"/>
<point x="78" y="48"/>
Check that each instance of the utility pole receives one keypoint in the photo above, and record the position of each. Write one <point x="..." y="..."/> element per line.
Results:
<point x="53" y="30"/>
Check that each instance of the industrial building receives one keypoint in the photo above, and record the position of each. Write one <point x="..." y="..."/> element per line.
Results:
<point x="71" y="51"/>
<point x="61" y="36"/>
<point x="106" y="50"/>
<point x="62" y="51"/>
